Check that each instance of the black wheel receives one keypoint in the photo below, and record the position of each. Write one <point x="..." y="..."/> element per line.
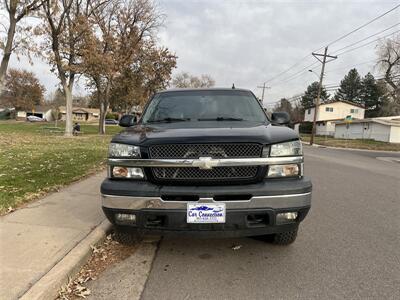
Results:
<point x="126" y="237"/>
<point x="284" y="238"/>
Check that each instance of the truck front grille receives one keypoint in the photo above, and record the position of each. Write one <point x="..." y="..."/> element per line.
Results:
<point x="207" y="150"/>
<point x="196" y="175"/>
<point x="219" y="173"/>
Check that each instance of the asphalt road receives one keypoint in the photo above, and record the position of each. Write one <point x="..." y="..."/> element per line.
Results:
<point x="348" y="247"/>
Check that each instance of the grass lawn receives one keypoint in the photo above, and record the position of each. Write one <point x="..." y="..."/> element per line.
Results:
<point x="33" y="161"/>
<point x="357" y="144"/>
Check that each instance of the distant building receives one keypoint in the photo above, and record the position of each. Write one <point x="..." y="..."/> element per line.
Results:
<point x="81" y="113"/>
<point x="41" y="111"/>
<point x="330" y="112"/>
<point x="385" y="129"/>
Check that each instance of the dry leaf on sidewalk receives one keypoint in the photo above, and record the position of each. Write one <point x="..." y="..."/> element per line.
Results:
<point x="236" y="247"/>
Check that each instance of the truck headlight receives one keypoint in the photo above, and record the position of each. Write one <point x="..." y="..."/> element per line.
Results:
<point x="126" y="172"/>
<point x="123" y="150"/>
<point x="283" y="171"/>
<point x="292" y="148"/>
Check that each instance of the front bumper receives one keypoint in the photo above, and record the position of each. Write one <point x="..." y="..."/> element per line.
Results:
<point x="253" y="216"/>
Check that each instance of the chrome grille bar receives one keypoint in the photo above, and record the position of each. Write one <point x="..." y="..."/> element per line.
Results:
<point x="205" y="162"/>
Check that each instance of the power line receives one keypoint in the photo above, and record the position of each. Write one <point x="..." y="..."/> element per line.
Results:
<point x="351" y="66"/>
<point x="303" y="59"/>
<point x="366" y="44"/>
<point x="297" y="74"/>
<point x="362" y="26"/>
<point x="368" y="37"/>
<point x="328" y="88"/>
<point x="288" y="69"/>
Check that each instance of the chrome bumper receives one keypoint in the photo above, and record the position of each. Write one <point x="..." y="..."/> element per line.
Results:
<point x="205" y="162"/>
<point x="275" y="202"/>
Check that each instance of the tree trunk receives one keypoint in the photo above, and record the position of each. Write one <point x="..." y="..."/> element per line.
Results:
<point x="68" y="105"/>
<point x="104" y="104"/>
<point x="7" y="52"/>
<point x="102" y="119"/>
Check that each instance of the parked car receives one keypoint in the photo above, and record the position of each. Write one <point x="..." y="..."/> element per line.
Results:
<point x="35" y="119"/>
<point x="111" y="122"/>
<point x="206" y="162"/>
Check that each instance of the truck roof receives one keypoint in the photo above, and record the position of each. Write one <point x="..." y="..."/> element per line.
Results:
<point x="202" y="89"/>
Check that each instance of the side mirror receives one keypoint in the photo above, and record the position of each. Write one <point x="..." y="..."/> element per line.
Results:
<point x="280" y="118"/>
<point x="127" y="121"/>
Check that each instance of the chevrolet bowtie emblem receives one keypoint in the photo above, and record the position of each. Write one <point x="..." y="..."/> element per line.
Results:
<point x="205" y="163"/>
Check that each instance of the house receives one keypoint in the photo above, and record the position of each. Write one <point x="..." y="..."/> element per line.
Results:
<point x="329" y="112"/>
<point x="385" y="129"/>
<point x="41" y="111"/>
<point x="81" y="113"/>
<point x="6" y="113"/>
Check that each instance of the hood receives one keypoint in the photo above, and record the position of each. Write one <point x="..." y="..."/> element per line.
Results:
<point x="205" y="132"/>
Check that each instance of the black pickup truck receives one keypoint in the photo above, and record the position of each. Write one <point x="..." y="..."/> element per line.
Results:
<point x="206" y="162"/>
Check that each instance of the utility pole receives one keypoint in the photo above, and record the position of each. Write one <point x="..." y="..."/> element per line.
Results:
<point x="263" y="87"/>
<point x="321" y="77"/>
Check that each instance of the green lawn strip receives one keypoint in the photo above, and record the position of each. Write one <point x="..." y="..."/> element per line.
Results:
<point x="45" y="127"/>
<point x="356" y="143"/>
<point x="32" y="163"/>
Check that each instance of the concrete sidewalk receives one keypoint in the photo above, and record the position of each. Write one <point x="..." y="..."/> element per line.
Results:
<point x="35" y="238"/>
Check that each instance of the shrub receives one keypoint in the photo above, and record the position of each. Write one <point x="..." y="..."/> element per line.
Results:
<point x="306" y="127"/>
<point x="111" y="115"/>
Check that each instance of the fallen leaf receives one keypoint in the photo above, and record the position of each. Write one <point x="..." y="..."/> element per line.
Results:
<point x="236" y="247"/>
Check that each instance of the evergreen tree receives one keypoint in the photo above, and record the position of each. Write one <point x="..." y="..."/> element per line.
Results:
<point x="350" y="87"/>
<point x="371" y="96"/>
<point x="308" y="100"/>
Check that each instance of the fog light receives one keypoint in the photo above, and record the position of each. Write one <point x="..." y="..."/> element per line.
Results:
<point x="283" y="170"/>
<point x="286" y="217"/>
<point x="126" y="172"/>
<point x="126" y="218"/>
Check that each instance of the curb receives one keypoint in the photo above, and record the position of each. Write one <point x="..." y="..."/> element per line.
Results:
<point x="48" y="286"/>
<point x="351" y="149"/>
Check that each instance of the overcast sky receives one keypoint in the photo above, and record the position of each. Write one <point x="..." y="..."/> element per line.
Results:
<point x="250" y="42"/>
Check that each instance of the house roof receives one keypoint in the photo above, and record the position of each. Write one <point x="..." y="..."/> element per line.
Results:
<point x="330" y="120"/>
<point x="388" y="121"/>
<point x="63" y="109"/>
<point x="38" y="108"/>
<point x="42" y="108"/>
<point x="343" y="101"/>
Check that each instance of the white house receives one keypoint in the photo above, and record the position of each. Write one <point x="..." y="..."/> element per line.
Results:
<point x="333" y="111"/>
<point x="81" y="113"/>
<point x="41" y="111"/>
<point x="385" y="129"/>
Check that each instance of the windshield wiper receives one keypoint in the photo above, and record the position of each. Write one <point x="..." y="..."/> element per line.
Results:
<point x="221" y="119"/>
<point x="169" y="120"/>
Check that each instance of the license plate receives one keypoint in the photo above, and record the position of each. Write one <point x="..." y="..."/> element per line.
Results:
<point x="206" y="213"/>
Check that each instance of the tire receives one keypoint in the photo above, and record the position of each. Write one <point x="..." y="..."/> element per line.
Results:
<point x="285" y="238"/>
<point x="126" y="237"/>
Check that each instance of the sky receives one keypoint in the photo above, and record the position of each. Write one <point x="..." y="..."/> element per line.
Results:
<point x="251" y="42"/>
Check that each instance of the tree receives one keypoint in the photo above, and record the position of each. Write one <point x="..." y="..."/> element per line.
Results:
<point x="119" y="30"/>
<point x="63" y="31"/>
<point x="186" y="80"/>
<point x="150" y="72"/>
<point x="389" y="63"/>
<point x="350" y="88"/>
<point x="23" y="89"/>
<point x="16" y="10"/>
<point x="371" y="96"/>
<point x="294" y="110"/>
<point x="57" y="99"/>
<point x="308" y="99"/>
<point x="283" y="105"/>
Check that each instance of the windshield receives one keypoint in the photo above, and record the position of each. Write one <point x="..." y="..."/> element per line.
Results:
<point x="193" y="106"/>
